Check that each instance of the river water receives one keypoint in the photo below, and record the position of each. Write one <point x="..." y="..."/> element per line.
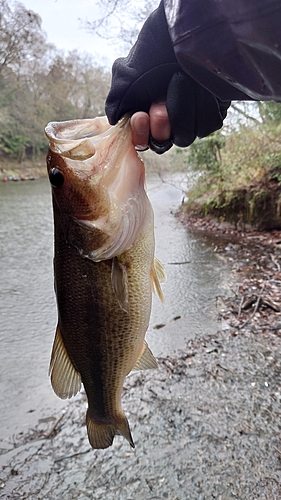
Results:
<point x="196" y="276"/>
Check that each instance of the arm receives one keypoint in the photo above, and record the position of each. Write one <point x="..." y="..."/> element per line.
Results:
<point x="231" y="48"/>
<point x="151" y="73"/>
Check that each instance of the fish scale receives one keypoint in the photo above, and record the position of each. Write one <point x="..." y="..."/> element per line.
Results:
<point x="104" y="304"/>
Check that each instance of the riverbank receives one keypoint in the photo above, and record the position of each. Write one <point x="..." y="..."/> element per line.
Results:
<point x="211" y="225"/>
<point x="256" y="257"/>
<point x="206" y="424"/>
<point x="27" y="170"/>
<point x="36" y="169"/>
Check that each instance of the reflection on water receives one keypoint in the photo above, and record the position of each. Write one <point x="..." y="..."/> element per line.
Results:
<point x="28" y="310"/>
<point x="195" y="276"/>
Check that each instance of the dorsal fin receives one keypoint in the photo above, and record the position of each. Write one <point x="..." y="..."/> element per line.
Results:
<point x="146" y="360"/>
<point x="119" y="280"/>
<point x="65" y="379"/>
<point x="158" y="275"/>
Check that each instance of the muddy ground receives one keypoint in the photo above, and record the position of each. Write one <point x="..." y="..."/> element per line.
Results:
<point x="206" y="424"/>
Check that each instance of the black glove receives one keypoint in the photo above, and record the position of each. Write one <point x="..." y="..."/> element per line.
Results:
<point x="151" y="73"/>
<point x="193" y="111"/>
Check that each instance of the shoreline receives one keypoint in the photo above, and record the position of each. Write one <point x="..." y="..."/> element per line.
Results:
<point x="255" y="257"/>
<point x="204" y="423"/>
<point x="212" y="227"/>
<point x="26" y="171"/>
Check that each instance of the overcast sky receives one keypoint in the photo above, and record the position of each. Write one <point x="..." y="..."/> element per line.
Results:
<point x="60" y="20"/>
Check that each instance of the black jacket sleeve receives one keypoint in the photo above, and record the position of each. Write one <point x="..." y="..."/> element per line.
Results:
<point x="232" y="48"/>
<point x="144" y="75"/>
<point x="150" y="73"/>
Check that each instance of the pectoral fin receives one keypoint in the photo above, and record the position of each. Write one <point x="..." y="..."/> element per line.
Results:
<point x="119" y="279"/>
<point x="65" y="379"/>
<point x="146" y="360"/>
<point x="157" y="276"/>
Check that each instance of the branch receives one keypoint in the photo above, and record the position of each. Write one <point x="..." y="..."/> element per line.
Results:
<point x="255" y="310"/>
<point x="246" y="115"/>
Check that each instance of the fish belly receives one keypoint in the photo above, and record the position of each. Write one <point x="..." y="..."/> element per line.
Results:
<point x="102" y="340"/>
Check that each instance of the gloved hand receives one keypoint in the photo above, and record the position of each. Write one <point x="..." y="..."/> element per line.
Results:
<point x="193" y="111"/>
<point x="151" y="73"/>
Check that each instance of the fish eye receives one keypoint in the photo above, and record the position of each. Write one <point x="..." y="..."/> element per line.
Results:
<point x="56" y="177"/>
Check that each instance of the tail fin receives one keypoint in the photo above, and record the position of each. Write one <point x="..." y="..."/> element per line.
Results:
<point x="101" y="435"/>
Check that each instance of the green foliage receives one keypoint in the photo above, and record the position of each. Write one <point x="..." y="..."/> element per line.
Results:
<point x="270" y="111"/>
<point x="205" y="154"/>
<point x="245" y="185"/>
<point x="12" y="145"/>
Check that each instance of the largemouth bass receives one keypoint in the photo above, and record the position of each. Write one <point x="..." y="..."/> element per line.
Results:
<point x="104" y="267"/>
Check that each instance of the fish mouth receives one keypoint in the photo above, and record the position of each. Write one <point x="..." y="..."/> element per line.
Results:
<point x="104" y="191"/>
<point x="77" y="139"/>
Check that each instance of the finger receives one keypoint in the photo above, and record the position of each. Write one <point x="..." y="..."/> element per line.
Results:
<point x="140" y="129"/>
<point x="160" y="127"/>
<point x="181" y="103"/>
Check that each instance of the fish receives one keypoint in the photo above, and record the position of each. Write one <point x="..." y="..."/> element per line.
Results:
<point x="104" y="268"/>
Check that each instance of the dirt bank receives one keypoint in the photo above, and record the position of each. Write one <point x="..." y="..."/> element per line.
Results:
<point x="206" y="424"/>
<point x="27" y="170"/>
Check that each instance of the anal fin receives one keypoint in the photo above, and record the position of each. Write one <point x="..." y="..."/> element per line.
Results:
<point x="146" y="360"/>
<point x="65" y="379"/>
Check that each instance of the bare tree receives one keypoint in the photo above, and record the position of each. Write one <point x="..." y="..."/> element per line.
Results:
<point x="38" y="83"/>
<point x="21" y="35"/>
<point x="121" y="20"/>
